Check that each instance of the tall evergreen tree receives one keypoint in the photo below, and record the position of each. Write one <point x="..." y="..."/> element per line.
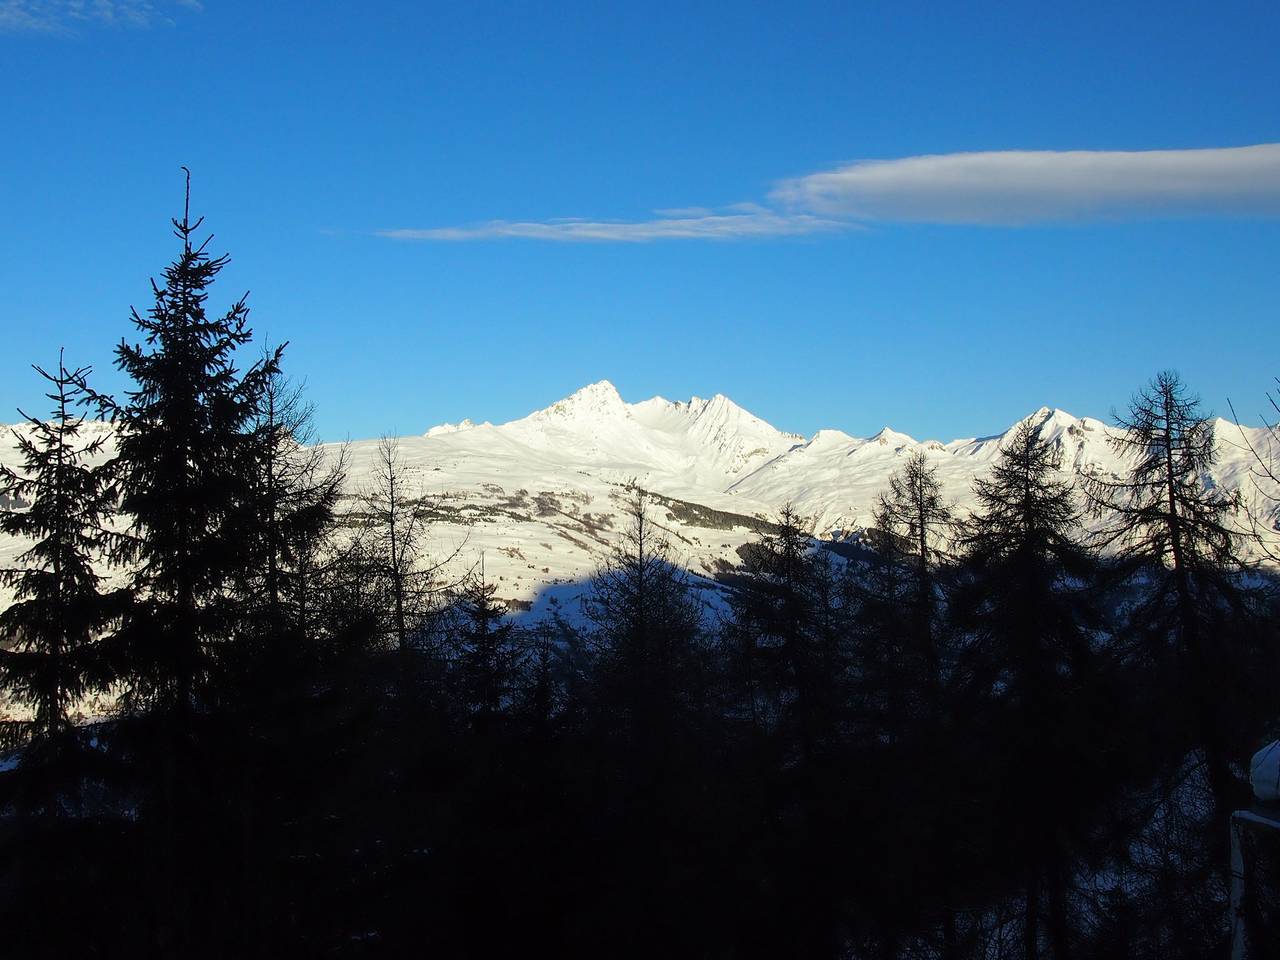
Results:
<point x="61" y="609"/>
<point x="1030" y="623"/>
<point x="486" y="660"/>
<point x="186" y="461"/>
<point x="540" y="682"/>
<point x="789" y="634"/>
<point x="647" y="629"/>
<point x="650" y="749"/>
<point x="787" y="628"/>
<point x="186" y="464"/>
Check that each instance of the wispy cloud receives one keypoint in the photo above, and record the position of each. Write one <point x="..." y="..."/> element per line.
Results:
<point x="1007" y="187"/>
<point x="1026" y="186"/>
<point x="684" y="224"/>
<point x="53" y="16"/>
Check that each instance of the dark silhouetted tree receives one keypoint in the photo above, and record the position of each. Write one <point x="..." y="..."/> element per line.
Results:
<point x="786" y="632"/>
<point x="51" y="657"/>
<point x="186" y="463"/>
<point x="296" y="490"/>
<point x="486" y="657"/>
<point x="646" y="627"/>
<point x="1176" y="529"/>
<point x="395" y="517"/>
<point x="904" y="657"/>
<point x="903" y="664"/>
<point x="788" y="640"/>
<point x="1026" y="608"/>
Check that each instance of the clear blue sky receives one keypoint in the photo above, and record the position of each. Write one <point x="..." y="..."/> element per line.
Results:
<point x="945" y="297"/>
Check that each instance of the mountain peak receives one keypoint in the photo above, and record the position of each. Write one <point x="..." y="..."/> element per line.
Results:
<point x="594" y="400"/>
<point x="718" y="406"/>
<point x="603" y="389"/>
<point x="1049" y="422"/>
<point x="1054" y="414"/>
<point x="889" y="437"/>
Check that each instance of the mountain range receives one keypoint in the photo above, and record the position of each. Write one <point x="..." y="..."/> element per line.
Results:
<point x="541" y="498"/>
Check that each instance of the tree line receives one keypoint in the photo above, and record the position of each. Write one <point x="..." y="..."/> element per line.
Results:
<point x="1016" y="733"/>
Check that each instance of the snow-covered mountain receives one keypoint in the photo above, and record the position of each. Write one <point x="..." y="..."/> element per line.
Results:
<point x="540" y="497"/>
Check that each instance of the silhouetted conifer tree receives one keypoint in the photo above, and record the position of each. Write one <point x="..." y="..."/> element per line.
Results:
<point x="789" y="639"/>
<point x="1176" y="529"/>
<point x="646" y="626"/>
<point x="904" y="656"/>
<point x="486" y="659"/>
<point x="650" y="726"/>
<point x="1030" y="624"/>
<point x="788" y="624"/>
<point x="903" y="663"/>
<point x="541" y="679"/>
<point x="51" y="656"/>
<point x="186" y="462"/>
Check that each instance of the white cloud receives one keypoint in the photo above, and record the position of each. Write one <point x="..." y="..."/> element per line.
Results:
<point x="1025" y="186"/>
<point x="52" y="16"/>
<point x="676" y="224"/>
<point x="1008" y="187"/>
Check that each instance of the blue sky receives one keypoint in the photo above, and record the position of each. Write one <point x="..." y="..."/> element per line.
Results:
<point x="473" y="209"/>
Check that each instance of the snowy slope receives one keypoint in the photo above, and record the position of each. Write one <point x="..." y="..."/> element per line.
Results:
<point x="541" y="497"/>
<point x="835" y="478"/>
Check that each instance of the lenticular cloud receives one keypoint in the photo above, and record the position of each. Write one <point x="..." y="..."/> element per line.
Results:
<point x="1026" y="186"/>
<point x="1003" y="187"/>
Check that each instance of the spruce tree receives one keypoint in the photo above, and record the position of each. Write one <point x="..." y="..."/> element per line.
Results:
<point x="540" y="679"/>
<point x="51" y="656"/>
<point x="646" y="736"/>
<point x="1029" y="622"/>
<point x="647" y="629"/>
<point x="486" y="654"/>
<point x="788" y="624"/>
<point x="914" y="519"/>
<point x="186" y="462"/>
<point x="789" y="636"/>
